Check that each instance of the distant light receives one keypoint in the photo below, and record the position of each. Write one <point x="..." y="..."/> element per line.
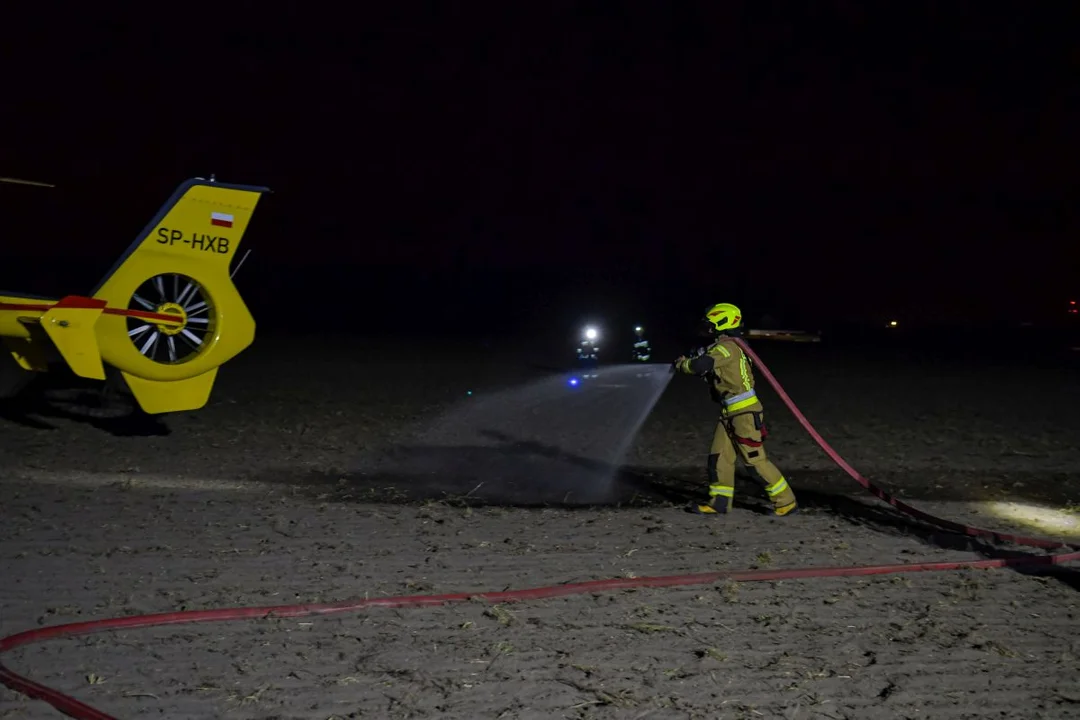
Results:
<point x="638" y="328"/>
<point x="892" y="323"/>
<point x="468" y="392"/>
<point x="573" y="381"/>
<point x="1072" y="302"/>
<point x="591" y="333"/>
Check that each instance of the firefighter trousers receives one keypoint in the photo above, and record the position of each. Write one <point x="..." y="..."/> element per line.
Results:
<point x="742" y="436"/>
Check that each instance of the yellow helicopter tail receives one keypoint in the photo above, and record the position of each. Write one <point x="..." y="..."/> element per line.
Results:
<point x="170" y="314"/>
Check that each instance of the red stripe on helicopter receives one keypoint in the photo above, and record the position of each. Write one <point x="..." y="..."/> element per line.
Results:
<point x="144" y="315"/>
<point x="23" y="306"/>
<point x="78" y="301"/>
<point x="90" y="303"/>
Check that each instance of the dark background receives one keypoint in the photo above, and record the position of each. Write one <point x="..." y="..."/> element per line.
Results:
<point x="497" y="169"/>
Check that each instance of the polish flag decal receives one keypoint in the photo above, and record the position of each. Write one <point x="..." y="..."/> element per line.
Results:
<point x="221" y="219"/>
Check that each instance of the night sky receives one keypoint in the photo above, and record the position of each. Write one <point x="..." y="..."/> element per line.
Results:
<point x="811" y="160"/>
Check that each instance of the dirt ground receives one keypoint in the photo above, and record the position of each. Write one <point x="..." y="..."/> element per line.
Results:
<point x="255" y="500"/>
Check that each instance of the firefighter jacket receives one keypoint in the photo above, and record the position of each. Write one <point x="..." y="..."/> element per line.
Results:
<point x="727" y="370"/>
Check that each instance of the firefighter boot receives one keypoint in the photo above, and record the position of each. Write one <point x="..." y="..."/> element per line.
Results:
<point x="716" y="505"/>
<point x="780" y="493"/>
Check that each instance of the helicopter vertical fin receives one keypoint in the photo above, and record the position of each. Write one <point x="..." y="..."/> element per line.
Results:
<point x="179" y="266"/>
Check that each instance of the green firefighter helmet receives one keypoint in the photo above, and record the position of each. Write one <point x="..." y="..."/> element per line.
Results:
<point x="723" y="317"/>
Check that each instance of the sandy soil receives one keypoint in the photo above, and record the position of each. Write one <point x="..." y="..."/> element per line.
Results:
<point x="256" y="501"/>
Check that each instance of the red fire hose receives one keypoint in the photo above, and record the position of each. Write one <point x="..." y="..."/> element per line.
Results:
<point x="73" y="708"/>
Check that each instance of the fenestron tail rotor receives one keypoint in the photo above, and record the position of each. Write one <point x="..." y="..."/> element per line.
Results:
<point x="176" y="295"/>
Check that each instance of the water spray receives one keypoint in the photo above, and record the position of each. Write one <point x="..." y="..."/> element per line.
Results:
<point x="557" y="440"/>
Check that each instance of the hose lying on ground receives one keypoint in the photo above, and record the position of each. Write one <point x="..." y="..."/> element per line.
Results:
<point x="73" y="708"/>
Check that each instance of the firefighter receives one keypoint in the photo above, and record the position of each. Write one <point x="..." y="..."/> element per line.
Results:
<point x="588" y="351"/>
<point x="642" y="351"/>
<point x="741" y="431"/>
